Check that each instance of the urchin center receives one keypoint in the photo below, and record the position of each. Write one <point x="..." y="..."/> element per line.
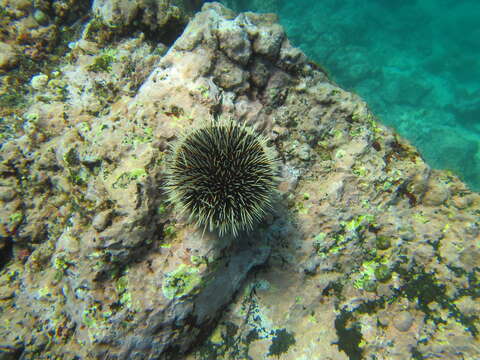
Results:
<point x="227" y="178"/>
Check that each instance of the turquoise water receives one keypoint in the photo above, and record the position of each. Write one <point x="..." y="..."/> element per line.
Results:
<point x="417" y="64"/>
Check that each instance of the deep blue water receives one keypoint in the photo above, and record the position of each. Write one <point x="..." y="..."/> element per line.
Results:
<point x="416" y="63"/>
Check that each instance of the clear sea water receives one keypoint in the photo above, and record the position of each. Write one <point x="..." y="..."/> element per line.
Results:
<point x="416" y="63"/>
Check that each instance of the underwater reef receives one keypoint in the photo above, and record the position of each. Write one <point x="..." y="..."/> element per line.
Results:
<point x="368" y="253"/>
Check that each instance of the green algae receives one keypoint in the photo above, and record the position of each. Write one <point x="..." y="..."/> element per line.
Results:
<point x="124" y="179"/>
<point x="124" y="296"/>
<point x="71" y="157"/>
<point x="169" y="231"/>
<point x="353" y="229"/>
<point x="16" y="218"/>
<point x="89" y="316"/>
<point x="103" y="62"/>
<point x="382" y="273"/>
<point x="377" y="268"/>
<point x="135" y="139"/>
<point x="61" y="263"/>
<point x="382" y="242"/>
<point x="181" y="281"/>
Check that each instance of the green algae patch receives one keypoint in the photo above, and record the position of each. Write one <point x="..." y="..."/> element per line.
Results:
<point x="359" y="223"/>
<point x="371" y="272"/>
<point x="16" y="218"/>
<point x="127" y="177"/>
<point x="180" y="281"/>
<point x="124" y="296"/>
<point x="61" y="264"/>
<point x="354" y="229"/>
<point x="89" y="317"/>
<point x="103" y="62"/>
<point x="96" y="322"/>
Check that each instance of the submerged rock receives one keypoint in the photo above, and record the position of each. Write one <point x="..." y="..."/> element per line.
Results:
<point x="164" y="17"/>
<point x="369" y="252"/>
<point x="8" y="56"/>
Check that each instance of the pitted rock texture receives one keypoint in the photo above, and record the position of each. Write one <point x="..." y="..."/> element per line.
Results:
<point x="368" y="253"/>
<point x="153" y="15"/>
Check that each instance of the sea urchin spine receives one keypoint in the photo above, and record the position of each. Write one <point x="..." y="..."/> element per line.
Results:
<point x="222" y="175"/>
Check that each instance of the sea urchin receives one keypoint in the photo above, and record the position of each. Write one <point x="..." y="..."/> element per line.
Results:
<point x="222" y="175"/>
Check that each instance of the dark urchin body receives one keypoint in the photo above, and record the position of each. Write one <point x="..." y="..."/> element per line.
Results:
<point x="223" y="176"/>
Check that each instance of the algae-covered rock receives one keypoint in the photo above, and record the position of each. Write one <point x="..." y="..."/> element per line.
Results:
<point x="8" y="56"/>
<point x="167" y="16"/>
<point x="368" y="253"/>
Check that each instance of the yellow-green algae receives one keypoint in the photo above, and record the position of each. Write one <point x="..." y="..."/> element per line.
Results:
<point x="181" y="281"/>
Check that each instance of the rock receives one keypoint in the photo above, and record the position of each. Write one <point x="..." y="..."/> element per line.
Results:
<point x="39" y="81"/>
<point x="260" y="72"/>
<point x="8" y="56"/>
<point x="229" y="76"/>
<point x="40" y="17"/>
<point x="304" y="152"/>
<point x="268" y="41"/>
<point x="7" y="194"/>
<point x="155" y="15"/>
<point x="361" y="227"/>
<point x="116" y="12"/>
<point x="9" y="353"/>
<point x="403" y="321"/>
<point x="290" y="58"/>
<point x="101" y="220"/>
<point x="234" y="42"/>
<point x="22" y="4"/>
